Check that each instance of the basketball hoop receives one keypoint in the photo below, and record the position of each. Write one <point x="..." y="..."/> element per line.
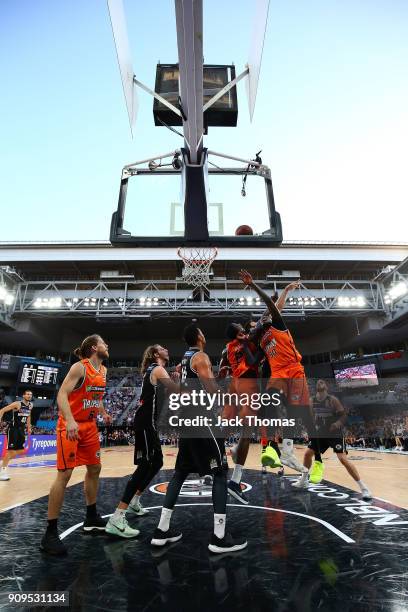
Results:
<point x="197" y="263"/>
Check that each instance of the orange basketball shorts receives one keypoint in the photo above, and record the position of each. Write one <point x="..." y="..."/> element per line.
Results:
<point x="86" y="450"/>
<point x="292" y="382"/>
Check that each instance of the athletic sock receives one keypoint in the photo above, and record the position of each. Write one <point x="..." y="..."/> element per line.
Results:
<point x="135" y="501"/>
<point x="304" y="475"/>
<point x="237" y="473"/>
<point x="119" y="512"/>
<point x="287" y="446"/>
<point x="165" y="517"/>
<point x="52" y="525"/>
<point x="361" y="484"/>
<point x="91" y="511"/>
<point x="219" y="525"/>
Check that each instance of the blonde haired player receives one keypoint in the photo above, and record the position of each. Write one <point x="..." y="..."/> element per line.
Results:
<point x="79" y="401"/>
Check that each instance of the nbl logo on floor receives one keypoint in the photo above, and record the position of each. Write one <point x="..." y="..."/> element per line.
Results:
<point x="193" y="488"/>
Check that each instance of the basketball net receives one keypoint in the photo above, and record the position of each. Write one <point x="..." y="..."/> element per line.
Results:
<point x="197" y="263"/>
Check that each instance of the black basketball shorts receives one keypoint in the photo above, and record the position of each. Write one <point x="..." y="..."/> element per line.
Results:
<point x="147" y="445"/>
<point x="320" y="445"/>
<point x="15" y="439"/>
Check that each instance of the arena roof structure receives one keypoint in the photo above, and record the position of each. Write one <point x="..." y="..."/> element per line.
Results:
<point x="350" y="293"/>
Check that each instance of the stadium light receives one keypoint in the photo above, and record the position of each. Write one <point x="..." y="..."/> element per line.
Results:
<point x="397" y="291"/>
<point x="351" y="302"/>
<point x="6" y="296"/>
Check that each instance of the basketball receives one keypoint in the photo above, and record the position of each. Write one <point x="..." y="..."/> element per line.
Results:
<point x="244" y="230"/>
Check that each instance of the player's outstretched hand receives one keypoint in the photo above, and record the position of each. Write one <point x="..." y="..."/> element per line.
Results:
<point x="246" y="277"/>
<point x="294" y="285"/>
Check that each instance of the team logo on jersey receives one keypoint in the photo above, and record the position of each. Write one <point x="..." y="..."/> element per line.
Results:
<point x="98" y="453"/>
<point x="339" y="447"/>
<point x="270" y="348"/>
<point x="192" y="488"/>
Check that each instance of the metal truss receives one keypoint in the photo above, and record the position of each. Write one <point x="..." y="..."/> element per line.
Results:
<point x="395" y="286"/>
<point x="163" y="298"/>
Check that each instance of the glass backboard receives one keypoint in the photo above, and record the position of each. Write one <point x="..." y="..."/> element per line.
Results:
<point x="151" y="208"/>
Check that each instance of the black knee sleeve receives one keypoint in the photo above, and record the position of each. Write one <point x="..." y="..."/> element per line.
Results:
<point x="136" y="480"/>
<point x="155" y="465"/>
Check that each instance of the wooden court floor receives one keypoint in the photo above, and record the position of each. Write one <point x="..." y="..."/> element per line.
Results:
<point x="385" y="474"/>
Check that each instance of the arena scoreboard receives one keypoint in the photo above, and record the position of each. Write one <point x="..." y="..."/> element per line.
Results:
<point x="35" y="374"/>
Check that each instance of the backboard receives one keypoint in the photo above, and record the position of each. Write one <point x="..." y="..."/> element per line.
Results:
<point x="151" y="208"/>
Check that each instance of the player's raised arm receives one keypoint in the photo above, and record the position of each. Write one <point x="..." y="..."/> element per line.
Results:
<point x="247" y="279"/>
<point x="74" y="376"/>
<point x="281" y="301"/>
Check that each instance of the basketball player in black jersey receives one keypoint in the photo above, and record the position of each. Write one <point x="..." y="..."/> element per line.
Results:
<point x="330" y="416"/>
<point x="203" y="455"/>
<point x="19" y="424"/>
<point x="148" y="454"/>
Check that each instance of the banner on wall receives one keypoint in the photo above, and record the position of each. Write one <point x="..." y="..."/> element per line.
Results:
<point x="5" y="362"/>
<point x="35" y="445"/>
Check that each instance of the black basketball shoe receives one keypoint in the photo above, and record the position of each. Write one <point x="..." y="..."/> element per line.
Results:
<point x="226" y="544"/>
<point x="160" y="538"/>
<point x="52" y="543"/>
<point x="96" y="523"/>
<point x="235" y="490"/>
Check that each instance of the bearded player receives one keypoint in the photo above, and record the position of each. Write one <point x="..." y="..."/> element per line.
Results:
<point x="79" y="401"/>
<point x="330" y="418"/>
<point x="148" y="456"/>
<point x="287" y="373"/>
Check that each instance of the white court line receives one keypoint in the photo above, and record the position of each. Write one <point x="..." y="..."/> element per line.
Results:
<point x="328" y="526"/>
<point x="11" y="507"/>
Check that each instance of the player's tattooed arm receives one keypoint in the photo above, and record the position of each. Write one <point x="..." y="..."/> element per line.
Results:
<point x="341" y="413"/>
<point x="202" y="365"/>
<point x="281" y="301"/>
<point x="247" y="279"/>
<point x="160" y="375"/>
<point x="74" y="376"/>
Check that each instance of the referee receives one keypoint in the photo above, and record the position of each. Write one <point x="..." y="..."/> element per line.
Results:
<point x="19" y="423"/>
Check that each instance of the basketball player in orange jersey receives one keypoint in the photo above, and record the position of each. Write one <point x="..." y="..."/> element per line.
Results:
<point x="242" y="359"/>
<point x="287" y="373"/>
<point x="79" y="401"/>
